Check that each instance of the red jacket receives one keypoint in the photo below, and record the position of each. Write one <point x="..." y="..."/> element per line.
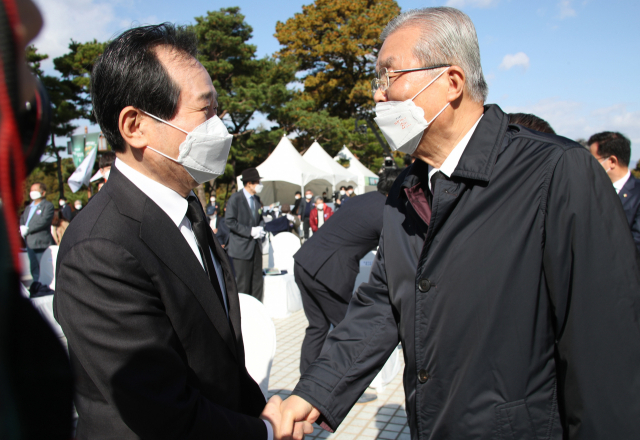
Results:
<point x="313" y="217"/>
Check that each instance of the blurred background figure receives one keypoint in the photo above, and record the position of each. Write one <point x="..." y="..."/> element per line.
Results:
<point x="340" y="196"/>
<point x="65" y="209"/>
<point x="530" y="121"/>
<point x="35" y="227"/>
<point x="77" y="205"/>
<point x="319" y="214"/>
<point x="304" y="212"/>
<point x="36" y="385"/>
<point x="296" y="204"/>
<point x="613" y="151"/>
<point x="58" y="226"/>
<point x="246" y="226"/>
<point x="327" y="265"/>
<point x="212" y="202"/>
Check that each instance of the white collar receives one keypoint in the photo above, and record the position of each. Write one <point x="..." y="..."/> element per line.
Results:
<point x="451" y="162"/>
<point x="172" y="203"/>
<point x="620" y="183"/>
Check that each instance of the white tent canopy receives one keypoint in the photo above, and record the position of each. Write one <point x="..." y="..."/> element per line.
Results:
<point x="318" y="157"/>
<point x="285" y="172"/>
<point x="366" y="178"/>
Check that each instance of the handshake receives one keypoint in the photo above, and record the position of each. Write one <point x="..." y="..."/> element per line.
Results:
<point x="290" y="419"/>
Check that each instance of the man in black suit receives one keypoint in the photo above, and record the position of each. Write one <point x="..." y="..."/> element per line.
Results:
<point x="327" y="265"/>
<point x="613" y="151"/>
<point x="65" y="209"/>
<point x="246" y="226"/>
<point x="35" y="227"/>
<point x="145" y="293"/>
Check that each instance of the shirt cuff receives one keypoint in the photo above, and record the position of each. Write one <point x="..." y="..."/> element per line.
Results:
<point x="269" y="429"/>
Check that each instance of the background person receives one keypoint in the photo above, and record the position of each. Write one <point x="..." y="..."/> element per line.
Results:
<point x="246" y="227"/>
<point x="304" y="211"/>
<point x="327" y="265"/>
<point x="613" y="151"/>
<point x="320" y="213"/>
<point x="65" y="209"/>
<point x="35" y="227"/>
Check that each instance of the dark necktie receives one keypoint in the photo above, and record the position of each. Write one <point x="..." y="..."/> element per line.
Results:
<point x="434" y="179"/>
<point x="254" y="210"/>
<point x="202" y="231"/>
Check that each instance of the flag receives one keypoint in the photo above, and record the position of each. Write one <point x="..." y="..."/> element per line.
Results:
<point x="82" y="174"/>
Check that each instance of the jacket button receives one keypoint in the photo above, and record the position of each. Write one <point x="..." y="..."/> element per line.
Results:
<point x="424" y="285"/>
<point x="423" y="376"/>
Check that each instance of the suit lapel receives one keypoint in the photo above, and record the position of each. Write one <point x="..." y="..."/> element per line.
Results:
<point x="626" y="190"/>
<point x="167" y="242"/>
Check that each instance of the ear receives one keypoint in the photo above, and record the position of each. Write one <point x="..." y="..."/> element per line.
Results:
<point x="614" y="162"/>
<point x="457" y="80"/>
<point x="133" y="125"/>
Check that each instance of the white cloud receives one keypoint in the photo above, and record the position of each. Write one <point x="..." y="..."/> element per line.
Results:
<point x="472" y="3"/>
<point x="519" y="59"/>
<point x="566" y="10"/>
<point x="577" y="120"/>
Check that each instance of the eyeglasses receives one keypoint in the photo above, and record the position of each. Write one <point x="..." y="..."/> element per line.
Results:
<point x="382" y="81"/>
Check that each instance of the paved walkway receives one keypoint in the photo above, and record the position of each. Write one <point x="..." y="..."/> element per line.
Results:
<point x="383" y="418"/>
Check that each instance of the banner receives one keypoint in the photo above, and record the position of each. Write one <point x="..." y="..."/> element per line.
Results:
<point x="82" y="174"/>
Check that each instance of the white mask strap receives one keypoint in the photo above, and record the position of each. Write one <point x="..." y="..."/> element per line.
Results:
<point x="162" y="154"/>
<point x="168" y="123"/>
<point x="432" y="81"/>
<point x="434" y="118"/>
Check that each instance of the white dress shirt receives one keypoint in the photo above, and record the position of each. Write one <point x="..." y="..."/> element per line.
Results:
<point x="248" y="196"/>
<point x="175" y="206"/>
<point x="620" y="183"/>
<point x="451" y="162"/>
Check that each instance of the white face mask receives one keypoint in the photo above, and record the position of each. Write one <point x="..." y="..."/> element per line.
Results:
<point x="308" y="196"/>
<point x="297" y="197"/>
<point x="320" y="206"/>
<point x="205" y="151"/>
<point x="62" y="202"/>
<point x="35" y="195"/>
<point x="342" y="192"/>
<point x="258" y="188"/>
<point x="78" y="206"/>
<point x="403" y="122"/>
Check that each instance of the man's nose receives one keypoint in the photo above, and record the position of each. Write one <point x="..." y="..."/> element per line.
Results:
<point x="380" y="96"/>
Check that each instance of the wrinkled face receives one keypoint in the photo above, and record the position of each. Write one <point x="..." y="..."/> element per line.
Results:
<point x="396" y="53"/>
<point x="197" y="103"/>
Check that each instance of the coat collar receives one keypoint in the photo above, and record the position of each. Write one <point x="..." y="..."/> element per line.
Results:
<point x="164" y="239"/>
<point x="479" y="157"/>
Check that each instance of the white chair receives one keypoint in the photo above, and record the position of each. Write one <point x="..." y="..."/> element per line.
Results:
<point x="365" y="269"/>
<point x="388" y="373"/>
<point x="259" y="335"/>
<point x="48" y="267"/>
<point x="283" y="247"/>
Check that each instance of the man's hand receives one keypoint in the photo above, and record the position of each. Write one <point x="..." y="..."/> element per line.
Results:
<point x="293" y="411"/>
<point x="272" y="414"/>
<point x="24" y="230"/>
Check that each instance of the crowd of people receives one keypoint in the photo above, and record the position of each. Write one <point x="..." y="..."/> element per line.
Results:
<point x="507" y="261"/>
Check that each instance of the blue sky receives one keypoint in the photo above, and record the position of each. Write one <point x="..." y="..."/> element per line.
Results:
<point x="571" y="62"/>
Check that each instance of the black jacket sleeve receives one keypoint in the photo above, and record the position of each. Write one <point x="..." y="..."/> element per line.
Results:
<point x="593" y="275"/>
<point x="355" y="351"/>
<point x="123" y="339"/>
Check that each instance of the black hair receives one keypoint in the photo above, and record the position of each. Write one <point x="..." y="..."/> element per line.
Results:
<point x="107" y="159"/>
<point x="63" y="198"/>
<point x="612" y="143"/>
<point x="530" y="121"/>
<point x="297" y="193"/>
<point x="130" y="73"/>
<point x="343" y="187"/>
<point x="349" y="187"/>
<point x="43" y="187"/>
<point x="387" y="177"/>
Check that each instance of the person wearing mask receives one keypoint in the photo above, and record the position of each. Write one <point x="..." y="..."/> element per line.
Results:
<point x="341" y="195"/>
<point x="246" y="227"/>
<point x="505" y="268"/>
<point x="296" y="204"/>
<point x="319" y="214"/>
<point x="144" y="291"/>
<point x="350" y="192"/>
<point x="65" y="209"/>
<point x="327" y="265"/>
<point x="77" y="205"/>
<point x="35" y="227"/>
<point x="613" y="151"/>
<point x="212" y="202"/>
<point x="304" y="212"/>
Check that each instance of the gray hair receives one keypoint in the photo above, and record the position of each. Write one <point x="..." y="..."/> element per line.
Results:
<point x="318" y="198"/>
<point x="447" y="37"/>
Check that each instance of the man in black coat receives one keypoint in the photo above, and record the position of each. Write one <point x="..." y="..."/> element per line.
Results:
<point x="327" y="265"/>
<point x="145" y="294"/>
<point x="613" y="151"/>
<point x="505" y="266"/>
<point x="246" y="227"/>
<point x="35" y="227"/>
